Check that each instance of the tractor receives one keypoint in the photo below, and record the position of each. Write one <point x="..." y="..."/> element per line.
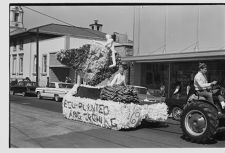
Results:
<point x="201" y="119"/>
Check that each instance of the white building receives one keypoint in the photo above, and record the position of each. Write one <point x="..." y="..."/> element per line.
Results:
<point x="47" y="40"/>
<point x="52" y="38"/>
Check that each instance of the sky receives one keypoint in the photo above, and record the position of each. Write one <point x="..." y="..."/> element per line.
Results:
<point x="181" y="24"/>
<point x="114" y="18"/>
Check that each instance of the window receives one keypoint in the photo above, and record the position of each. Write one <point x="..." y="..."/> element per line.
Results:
<point x="21" y="64"/>
<point x="149" y="78"/>
<point x="21" y="44"/>
<point x="16" y="17"/>
<point x="21" y="83"/>
<point x="34" y="65"/>
<point x="44" y="64"/>
<point x="14" y="65"/>
<point x="64" y="85"/>
<point x="140" y="90"/>
<point x="51" y="85"/>
<point x="14" y="45"/>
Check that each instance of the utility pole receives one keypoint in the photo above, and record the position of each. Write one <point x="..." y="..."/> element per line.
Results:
<point x="169" y="78"/>
<point x="165" y="29"/>
<point x="37" y="56"/>
<point x="197" y="31"/>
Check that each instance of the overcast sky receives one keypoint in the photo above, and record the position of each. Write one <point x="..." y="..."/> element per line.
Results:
<point x="180" y="31"/>
<point x="114" y="18"/>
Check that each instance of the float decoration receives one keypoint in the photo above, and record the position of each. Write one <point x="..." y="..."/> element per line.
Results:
<point x="119" y="94"/>
<point x="109" y="107"/>
<point x="108" y="113"/>
<point x="74" y="57"/>
<point x="93" y="60"/>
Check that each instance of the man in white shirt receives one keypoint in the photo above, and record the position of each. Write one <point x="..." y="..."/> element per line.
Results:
<point x="119" y="79"/>
<point x="202" y="86"/>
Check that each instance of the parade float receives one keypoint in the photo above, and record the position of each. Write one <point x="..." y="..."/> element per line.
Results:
<point x="115" y="107"/>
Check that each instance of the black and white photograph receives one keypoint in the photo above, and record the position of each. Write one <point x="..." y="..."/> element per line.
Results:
<point x="116" y="75"/>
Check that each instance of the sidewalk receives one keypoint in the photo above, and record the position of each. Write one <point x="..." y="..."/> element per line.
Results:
<point x="30" y="127"/>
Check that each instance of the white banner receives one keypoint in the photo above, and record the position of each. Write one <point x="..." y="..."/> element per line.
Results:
<point x="109" y="114"/>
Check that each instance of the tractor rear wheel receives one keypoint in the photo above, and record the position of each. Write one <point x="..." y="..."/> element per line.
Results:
<point x="199" y="121"/>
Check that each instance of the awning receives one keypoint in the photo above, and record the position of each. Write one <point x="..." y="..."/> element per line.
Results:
<point x="58" y="66"/>
<point x="178" y="57"/>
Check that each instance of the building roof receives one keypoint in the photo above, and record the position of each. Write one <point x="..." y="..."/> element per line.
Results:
<point x="17" y="31"/>
<point x="178" y="57"/>
<point x="60" y="30"/>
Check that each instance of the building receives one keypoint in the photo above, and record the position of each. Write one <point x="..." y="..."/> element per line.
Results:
<point x="16" y="19"/>
<point x="170" y="41"/>
<point x="123" y="45"/>
<point x="49" y="39"/>
<point x="45" y="41"/>
<point x="96" y="26"/>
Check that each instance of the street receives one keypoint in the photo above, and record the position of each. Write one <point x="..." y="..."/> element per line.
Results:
<point x="38" y="123"/>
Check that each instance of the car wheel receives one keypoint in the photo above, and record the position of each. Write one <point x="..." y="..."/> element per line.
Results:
<point x="39" y="95"/>
<point x="56" y="97"/>
<point x="176" y="113"/>
<point x="23" y="94"/>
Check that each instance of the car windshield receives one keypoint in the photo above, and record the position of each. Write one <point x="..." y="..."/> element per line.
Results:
<point x="140" y="90"/>
<point x="64" y="85"/>
<point x="31" y="83"/>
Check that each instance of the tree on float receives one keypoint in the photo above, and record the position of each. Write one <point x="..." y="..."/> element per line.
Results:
<point x="91" y="62"/>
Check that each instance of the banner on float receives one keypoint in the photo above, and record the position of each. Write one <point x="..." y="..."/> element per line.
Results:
<point x="109" y="114"/>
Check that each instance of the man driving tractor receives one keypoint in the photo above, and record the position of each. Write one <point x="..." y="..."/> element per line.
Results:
<point x="204" y="88"/>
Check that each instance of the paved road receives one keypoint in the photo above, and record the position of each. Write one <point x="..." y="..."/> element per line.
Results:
<point x="40" y="123"/>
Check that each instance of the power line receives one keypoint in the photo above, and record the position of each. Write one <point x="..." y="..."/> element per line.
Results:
<point x="59" y="20"/>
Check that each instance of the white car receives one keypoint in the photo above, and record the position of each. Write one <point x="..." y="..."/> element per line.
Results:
<point x="55" y="90"/>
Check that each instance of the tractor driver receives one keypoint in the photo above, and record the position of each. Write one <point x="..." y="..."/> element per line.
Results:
<point x="203" y="87"/>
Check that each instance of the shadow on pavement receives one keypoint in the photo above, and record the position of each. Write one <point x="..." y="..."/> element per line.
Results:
<point x="220" y="136"/>
<point x="151" y="125"/>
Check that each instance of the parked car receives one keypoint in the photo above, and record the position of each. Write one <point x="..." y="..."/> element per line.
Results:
<point x="176" y="102"/>
<point x="145" y="96"/>
<point x="55" y="90"/>
<point x="175" y="106"/>
<point x="23" y="87"/>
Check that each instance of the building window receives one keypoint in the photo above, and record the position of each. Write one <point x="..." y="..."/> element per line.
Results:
<point x="14" y="65"/>
<point x="21" y="64"/>
<point x="21" y="44"/>
<point x="44" y="64"/>
<point x="16" y="17"/>
<point x="149" y="78"/>
<point x="14" y="45"/>
<point x="34" y="65"/>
